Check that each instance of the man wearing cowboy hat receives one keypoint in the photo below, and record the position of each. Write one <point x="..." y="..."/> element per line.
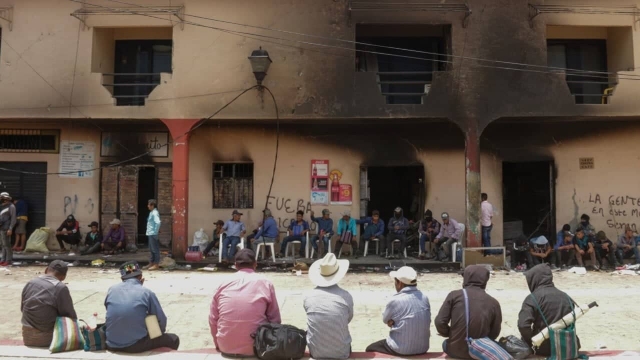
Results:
<point x="408" y="314"/>
<point x="329" y="310"/>
<point x="128" y="304"/>
<point x="115" y="239"/>
<point x="7" y="223"/>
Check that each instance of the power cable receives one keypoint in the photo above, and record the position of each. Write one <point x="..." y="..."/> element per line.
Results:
<point x="368" y="44"/>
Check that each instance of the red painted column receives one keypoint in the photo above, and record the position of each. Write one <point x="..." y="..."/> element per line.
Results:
<point x="472" y="185"/>
<point x="180" y="149"/>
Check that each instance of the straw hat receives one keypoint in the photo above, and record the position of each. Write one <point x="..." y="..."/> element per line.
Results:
<point x="328" y="271"/>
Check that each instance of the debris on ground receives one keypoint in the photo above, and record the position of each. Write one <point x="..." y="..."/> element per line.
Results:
<point x="167" y="263"/>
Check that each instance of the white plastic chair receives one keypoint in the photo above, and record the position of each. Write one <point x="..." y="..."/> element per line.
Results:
<point x="366" y="246"/>
<point x="260" y="246"/>
<point x="314" y="250"/>
<point x="343" y="245"/>
<point x="306" y="248"/>
<point x="398" y="241"/>
<point x="240" y="246"/>
<point x="454" y="246"/>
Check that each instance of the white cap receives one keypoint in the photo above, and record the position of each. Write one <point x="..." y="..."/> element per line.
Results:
<point x="405" y="275"/>
<point x="115" y="222"/>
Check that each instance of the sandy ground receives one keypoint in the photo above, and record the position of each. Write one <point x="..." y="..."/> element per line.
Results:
<point x="186" y="297"/>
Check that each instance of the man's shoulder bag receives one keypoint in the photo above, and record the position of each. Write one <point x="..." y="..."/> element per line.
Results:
<point x="563" y="342"/>
<point x="484" y="348"/>
<point x="279" y="342"/>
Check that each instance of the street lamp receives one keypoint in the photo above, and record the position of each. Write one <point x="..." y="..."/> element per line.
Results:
<point x="260" y="62"/>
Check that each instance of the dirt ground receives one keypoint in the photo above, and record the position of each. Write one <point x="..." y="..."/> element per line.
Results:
<point x="186" y="296"/>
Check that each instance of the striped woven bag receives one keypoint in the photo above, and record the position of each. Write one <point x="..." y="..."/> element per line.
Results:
<point x="484" y="348"/>
<point x="66" y="336"/>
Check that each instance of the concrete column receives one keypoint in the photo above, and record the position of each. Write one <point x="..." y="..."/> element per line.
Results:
<point x="472" y="185"/>
<point x="180" y="178"/>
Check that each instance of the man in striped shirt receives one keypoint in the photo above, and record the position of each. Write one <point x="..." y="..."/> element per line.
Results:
<point x="408" y="314"/>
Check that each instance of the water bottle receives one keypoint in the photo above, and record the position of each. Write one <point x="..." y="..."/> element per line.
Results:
<point x="93" y="322"/>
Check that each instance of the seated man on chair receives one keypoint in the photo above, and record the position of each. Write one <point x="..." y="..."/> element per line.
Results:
<point x="428" y="228"/>
<point x="215" y="242"/>
<point x="398" y="225"/>
<point x="235" y="230"/>
<point x="325" y="232"/>
<point x="298" y="230"/>
<point x="450" y="232"/>
<point x="267" y="233"/>
<point x="374" y="230"/>
<point x="347" y="231"/>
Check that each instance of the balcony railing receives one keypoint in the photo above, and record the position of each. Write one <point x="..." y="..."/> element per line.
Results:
<point x="131" y="89"/>
<point x="591" y="89"/>
<point x="405" y="87"/>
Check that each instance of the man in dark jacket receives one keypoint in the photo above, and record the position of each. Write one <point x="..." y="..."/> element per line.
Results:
<point x="555" y="304"/>
<point x="485" y="314"/>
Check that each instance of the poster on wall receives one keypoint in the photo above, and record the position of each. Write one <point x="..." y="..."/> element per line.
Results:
<point x="320" y="182"/>
<point x="341" y="194"/>
<point x="77" y="159"/>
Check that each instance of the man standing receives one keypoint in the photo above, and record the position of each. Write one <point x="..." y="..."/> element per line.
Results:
<point x="116" y="239"/>
<point x="7" y="223"/>
<point x="485" y="314"/>
<point x="21" y="229"/>
<point x="329" y="310"/>
<point x="240" y="305"/>
<point x="449" y="233"/>
<point x="68" y="232"/>
<point x="374" y="230"/>
<point x="408" y="314"/>
<point x="428" y="228"/>
<point x="486" y="220"/>
<point x="320" y="241"/>
<point x="153" y="228"/>
<point x="627" y="246"/>
<point x="398" y="226"/>
<point x="43" y="300"/>
<point x="298" y="230"/>
<point x="554" y="304"/>
<point x="235" y="230"/>
<point x="128" y="304"/>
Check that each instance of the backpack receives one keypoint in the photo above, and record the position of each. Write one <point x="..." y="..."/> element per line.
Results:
<point x="279" y="342"/>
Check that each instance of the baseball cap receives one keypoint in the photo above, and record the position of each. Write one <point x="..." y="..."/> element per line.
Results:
<point x="71" y="218"/>
<point x="326" y="212"/>
<point x="59" y="266"/>
<point x="569" y="233"/>
<point x="245" y="256"/>
<point x="219" y="222"/>
<point x="346" y="213"/>
<point x="406" y="275"/>
<point x="236" y="212"/>
<point x="129" y="270"/>
<point x="115" y="222"/>
<point x="445" y="215"/>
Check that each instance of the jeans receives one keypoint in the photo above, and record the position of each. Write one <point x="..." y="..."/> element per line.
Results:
<point x="70" y="238"/>
<point x="325" y="241"/>
<point x="565" y="257"/>
<point x="92" y="249"/>
<point x="622" y="254"/>
<point x="486" y="235"/>
<point x="424" y="238"/>
<point x="535" y="260"/>
<point x="229" y="247"/>
<point x="154" y="248"/>
<point x="602" y="254"/>
<point x="290" y="238"/>
<point x="7" y="252"/>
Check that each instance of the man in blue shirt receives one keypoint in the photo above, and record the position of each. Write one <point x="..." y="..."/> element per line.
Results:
<point x="234" y="229"/>
<point x="268" y="232"/>
<point x="128" y="304"/>
<point x="298" y="230"/>
<point x="373" y="230"/>
<point x="325" y="232"/>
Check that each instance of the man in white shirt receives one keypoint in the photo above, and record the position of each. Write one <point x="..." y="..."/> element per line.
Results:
<point x="486" y="217"/>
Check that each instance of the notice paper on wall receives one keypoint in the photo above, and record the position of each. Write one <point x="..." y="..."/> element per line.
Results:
<point x="77" y="159"/>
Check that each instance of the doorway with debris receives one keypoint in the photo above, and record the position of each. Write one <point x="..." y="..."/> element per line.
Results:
<point x="529" y="199"/>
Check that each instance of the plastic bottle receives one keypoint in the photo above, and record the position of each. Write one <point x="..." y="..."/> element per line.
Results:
<point x="93" y="322"/>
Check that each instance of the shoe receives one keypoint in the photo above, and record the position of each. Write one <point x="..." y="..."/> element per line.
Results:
<point x="154" y="267"/>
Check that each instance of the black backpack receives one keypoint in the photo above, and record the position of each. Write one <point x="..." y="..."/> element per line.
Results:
<point x="279" y="342"/>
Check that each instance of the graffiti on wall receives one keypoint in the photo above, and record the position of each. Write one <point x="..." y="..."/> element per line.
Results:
<point x="618" y="210"/>
<point x="284" y="210"/>
<point x="71" y="205"/>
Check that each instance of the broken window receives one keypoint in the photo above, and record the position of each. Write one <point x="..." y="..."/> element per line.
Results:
<point x="233" y="186"/>
<point x="404" y="77"/>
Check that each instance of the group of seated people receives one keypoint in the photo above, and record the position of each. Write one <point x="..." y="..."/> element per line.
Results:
<point x="577" y="247"/>
<point x="127" y="305"/>
<point x="247" y="300"/>
<point x="430" y="230"/>
<point x="69" y="232"/>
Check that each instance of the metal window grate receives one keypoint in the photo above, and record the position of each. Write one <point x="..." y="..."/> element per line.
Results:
<point x="586" y="163"/>
<point x="29" y="141"/>
<point x="233" y="186"/>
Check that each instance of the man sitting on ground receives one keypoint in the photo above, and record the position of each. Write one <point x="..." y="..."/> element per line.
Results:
<point x="373" y="230"/>
<point x="320" y="242"/>
<point x="565" y="250"/>
<point x="628" y="246"/>
<point x="449" y="234"/>
<point x="604" y="250"/>
<point x="540" y="251"/>
<point x="93" y="239"/>
<point x="560" y="235"/>
<point x="485" y="314"/>
<point x="240" y="305"/>
<point x="68" y="232"/>
<point x="329" y="310"/>
<point x="428" y="228"/>
<point x="298" y="230"/>
<point x="408" y="314"/>
<point x="584" y="248"/>
<point x="589" y="230"/>
<point x="398" y="225"/>
<point x="43" y="300"/>
<point x="268" y="232"/>
<point x="554" y="303"/>
<point x="115" y="240"/>
<point x="128" y="304"/>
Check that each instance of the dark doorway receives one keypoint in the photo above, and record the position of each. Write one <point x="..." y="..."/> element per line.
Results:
<point x="32" y="188"/>
<point x="390" y="187"/>
<point x="528" y="196"/>
<point x="146" y="191"/>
